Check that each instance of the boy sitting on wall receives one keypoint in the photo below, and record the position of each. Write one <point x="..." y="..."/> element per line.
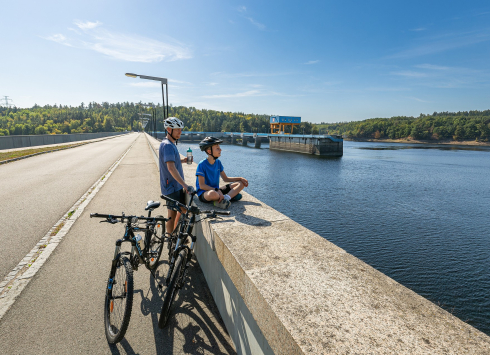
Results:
<point x="208" y="173"/>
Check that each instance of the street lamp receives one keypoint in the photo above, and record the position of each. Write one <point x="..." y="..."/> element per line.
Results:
<point x="164" y="93"/>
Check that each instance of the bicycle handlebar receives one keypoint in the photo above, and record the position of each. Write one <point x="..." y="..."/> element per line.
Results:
<point x="177" y="203"/>
<point x="111" y="216"/>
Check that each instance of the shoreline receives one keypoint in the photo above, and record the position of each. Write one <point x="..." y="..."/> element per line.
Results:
<point x="414" y="141"/>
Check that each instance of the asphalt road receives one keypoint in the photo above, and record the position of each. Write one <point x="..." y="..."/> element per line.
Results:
<point x="36" y="192"/>
<point x="61" y="309"/>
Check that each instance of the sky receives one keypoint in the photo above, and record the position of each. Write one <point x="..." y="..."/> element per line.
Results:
<point x="326" y="61"/>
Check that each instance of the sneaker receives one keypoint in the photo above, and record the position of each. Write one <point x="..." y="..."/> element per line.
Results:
<point x="238" y="197"/>
<point x="223" y="204"/>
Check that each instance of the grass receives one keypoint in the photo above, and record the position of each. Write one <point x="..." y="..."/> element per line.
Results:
<point x="57" y="229"/>
<point x="22" y="153"/>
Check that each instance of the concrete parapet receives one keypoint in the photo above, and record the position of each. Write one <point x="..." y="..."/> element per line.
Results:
<point x="12" y="142"/>
<point x="283" y="289"/>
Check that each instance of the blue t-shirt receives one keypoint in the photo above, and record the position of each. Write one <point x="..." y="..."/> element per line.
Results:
<point x="210" y="172"/>
<point x="168" y="152"/>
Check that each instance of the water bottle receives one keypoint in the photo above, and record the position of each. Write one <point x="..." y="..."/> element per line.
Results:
<point x="140" y="241"/>
<point x="189" y="156"/>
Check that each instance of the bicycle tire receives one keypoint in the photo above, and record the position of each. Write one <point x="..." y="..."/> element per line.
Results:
<point x="119" y="302"/>
<point x="154" y="250"/>
<point x="172" y="288"/>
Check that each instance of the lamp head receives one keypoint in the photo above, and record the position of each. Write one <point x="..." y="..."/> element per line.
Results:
<point x="131" y="75"/>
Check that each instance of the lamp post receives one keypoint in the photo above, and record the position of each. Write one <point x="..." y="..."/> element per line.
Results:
<point x="153" y="124"/>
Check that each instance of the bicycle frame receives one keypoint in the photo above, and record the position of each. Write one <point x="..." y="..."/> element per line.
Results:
<point x="185" y="231"/>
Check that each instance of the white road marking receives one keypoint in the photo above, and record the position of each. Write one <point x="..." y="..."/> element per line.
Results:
<point x="13" y="284"/>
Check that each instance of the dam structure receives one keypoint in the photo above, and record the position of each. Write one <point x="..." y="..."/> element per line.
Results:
<point x="325" y="145"/>
<point x="282" y="289"/>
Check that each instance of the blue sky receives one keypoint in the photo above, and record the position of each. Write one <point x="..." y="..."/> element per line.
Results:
<point x="325" y="61"/>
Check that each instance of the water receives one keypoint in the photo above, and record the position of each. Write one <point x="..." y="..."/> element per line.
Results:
<point x="419" y="214"/>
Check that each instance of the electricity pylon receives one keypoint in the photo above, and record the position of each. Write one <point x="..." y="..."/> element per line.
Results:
<point x="6" y="101"/>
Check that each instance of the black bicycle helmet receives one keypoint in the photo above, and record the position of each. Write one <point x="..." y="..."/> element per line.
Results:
<point x="209" y="142"/>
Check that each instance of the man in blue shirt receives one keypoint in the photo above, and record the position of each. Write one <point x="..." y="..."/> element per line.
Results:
<point x="172" y="183"/>
<point x="208" y="173"/>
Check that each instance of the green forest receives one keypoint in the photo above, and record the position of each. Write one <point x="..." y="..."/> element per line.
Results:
<point x="106" y="117"/>
<point x="439" y="126"/>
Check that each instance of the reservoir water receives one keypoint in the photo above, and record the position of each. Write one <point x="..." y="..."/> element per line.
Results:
<point x="417" y="213"/>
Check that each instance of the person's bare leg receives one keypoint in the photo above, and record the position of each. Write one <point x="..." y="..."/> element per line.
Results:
<point x="170" y="224"/>
<point x="211" y="195"/>
<point x="235" y="189"/>
<point x="177" y="218"/>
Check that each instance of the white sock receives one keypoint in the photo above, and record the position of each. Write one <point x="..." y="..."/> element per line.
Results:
<point x="227" y="197"/>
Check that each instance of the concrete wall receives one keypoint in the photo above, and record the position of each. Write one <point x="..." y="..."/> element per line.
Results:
<point x="12" y="142"/>
<point x="317" y="146"/>
<point x="283" y="289"/>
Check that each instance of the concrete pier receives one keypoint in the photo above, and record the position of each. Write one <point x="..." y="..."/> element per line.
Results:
<point x="318" y="145"/>
<point x="258" y="141"/>
<point x="244" y="140"/>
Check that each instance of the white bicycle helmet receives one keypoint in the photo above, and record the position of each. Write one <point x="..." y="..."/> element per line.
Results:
<point x="174" y="123"/>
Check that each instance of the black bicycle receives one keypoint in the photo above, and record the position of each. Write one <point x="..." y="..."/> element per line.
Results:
<point x="180" y="254"/>
<point x="144" y="250"/>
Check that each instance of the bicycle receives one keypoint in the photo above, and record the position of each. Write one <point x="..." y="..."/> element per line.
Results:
<point x="180" y="254"/>
<point x="119" y="291"/>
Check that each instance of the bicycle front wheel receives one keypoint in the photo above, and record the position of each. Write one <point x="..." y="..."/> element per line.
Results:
<point x="118" y="301"/>
<point x="173" y="287"/>
<point x="155" y="248"/>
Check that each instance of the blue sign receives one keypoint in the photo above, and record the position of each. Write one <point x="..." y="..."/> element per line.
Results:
<point x="285" y="119"/>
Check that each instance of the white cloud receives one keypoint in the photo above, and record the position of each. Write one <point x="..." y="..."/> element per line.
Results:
<point x="179" y="81"/>
<point x="312" y="62"/>
<point x="126" y="47"/>
<point x="443" y="43"/>
<point x="409" y="73"/>
<point x="418" y="29"/>
<point x="59" y="38"/>
<point x="432" y="67"/>
<point x="242" y="9"/>
<point x="240" y="94"/>
<point x="259" y="25"/>
<point x="87" y="25"/>
<point x="146" y="84"/>
<point x="417" y="99"/>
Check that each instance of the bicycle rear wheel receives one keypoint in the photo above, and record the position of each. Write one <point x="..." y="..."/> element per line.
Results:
<point x="155" y="248"/>
<point x="174" y="285"/>
<point x="118" y="301"/>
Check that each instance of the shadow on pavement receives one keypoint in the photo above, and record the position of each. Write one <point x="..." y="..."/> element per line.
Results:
<point x="194" y="326"/>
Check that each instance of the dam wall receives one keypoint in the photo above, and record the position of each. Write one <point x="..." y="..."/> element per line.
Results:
<point x="13" y="142"/>
<point x="283" y="289"/>
<point x="317" y="145"/>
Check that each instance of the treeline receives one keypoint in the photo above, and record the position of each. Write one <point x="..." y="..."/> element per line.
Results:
<point x="60" y="119"/>
<point x="106" y="117"/>
<point x="439" y="126"/>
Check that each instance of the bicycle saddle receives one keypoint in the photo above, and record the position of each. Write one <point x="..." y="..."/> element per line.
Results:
<point x="151" y="205"/>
